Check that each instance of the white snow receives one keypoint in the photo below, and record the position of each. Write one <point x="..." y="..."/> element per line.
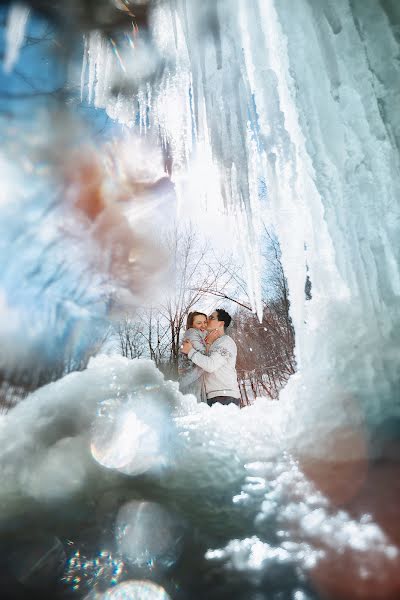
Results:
<point x="194" y="453"/>
<point x="59" y="450"/>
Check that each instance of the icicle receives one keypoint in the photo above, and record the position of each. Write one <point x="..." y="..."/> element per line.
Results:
<point x="15" y="34"/>
<point x="91" y="51"/>
<point x="84" y="68"/>
<point x="105" y="65"/>
<point x="142" y="101"/>
<point x="101" y="68"/>
<point x="254" y="221"/>
<point x="149" y="103"/>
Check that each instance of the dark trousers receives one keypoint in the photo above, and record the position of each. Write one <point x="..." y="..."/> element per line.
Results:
<point x="223" y="400"/>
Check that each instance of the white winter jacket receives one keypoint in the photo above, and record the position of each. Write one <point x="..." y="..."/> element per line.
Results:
<point x="219" y="367"/>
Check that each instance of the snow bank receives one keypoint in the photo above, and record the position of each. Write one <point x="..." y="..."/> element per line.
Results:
<point x="69" y="439"/>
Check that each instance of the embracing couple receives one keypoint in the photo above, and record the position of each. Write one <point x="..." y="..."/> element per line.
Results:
<point x="209" y="368"/>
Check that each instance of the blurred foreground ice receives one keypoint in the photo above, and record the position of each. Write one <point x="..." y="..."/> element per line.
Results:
<point x="70" y="432"/>
<point x="181" y="467"/>
<point x="79" y="246"/>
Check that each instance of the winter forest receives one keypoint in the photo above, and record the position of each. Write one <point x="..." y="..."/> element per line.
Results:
<point x="238" y="158"/>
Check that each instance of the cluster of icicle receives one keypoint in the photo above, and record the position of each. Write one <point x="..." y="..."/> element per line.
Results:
<point x="177" y="90"/>
<point x="300" y="96"/>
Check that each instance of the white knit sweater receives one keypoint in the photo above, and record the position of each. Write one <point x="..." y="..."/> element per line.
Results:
<point x="219" y="367"/>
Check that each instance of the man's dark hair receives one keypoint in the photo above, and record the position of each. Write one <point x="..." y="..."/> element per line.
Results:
<point x="224" y="316"/>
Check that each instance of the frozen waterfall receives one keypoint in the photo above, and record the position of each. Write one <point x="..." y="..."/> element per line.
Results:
<point x="303" y="96"/>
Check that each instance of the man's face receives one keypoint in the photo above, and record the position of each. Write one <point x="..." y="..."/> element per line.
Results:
<point x="213" y="322"/>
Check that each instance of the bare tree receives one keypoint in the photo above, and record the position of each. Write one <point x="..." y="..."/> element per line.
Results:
<point x="156" y="333"/>
<point x="131" y="338"/>
<point x="265" y="350"/>
<point x="195" y="270"/>
<point x="22" y="379"/>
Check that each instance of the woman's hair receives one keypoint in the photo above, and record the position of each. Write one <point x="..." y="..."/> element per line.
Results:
<point x="191" y="316"/>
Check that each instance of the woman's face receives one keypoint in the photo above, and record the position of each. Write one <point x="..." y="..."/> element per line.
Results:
<point x="200" y="322"/>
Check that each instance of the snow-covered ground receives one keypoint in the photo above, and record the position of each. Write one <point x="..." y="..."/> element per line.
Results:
<point x="117" y="444"/>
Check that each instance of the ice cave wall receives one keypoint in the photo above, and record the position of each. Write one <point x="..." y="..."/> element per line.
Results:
<point x="344" y="76"/>
<point x="306" y="93"/>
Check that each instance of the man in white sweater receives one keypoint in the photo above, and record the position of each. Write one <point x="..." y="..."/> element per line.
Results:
<point x="219" y="365"/>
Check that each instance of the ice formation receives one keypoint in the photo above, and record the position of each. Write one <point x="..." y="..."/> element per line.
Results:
<point x="302" y="96"/>
<point x="303" y="100"/>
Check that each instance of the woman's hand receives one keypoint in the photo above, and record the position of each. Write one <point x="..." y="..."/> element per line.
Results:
<point x="186" y="347"/>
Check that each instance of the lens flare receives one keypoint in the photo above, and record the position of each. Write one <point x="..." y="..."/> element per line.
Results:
<point x="84" y="572"/>
<point x="129" y="435"/>
<point x="132" y="590"/>
<point x="148" y="536"/>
